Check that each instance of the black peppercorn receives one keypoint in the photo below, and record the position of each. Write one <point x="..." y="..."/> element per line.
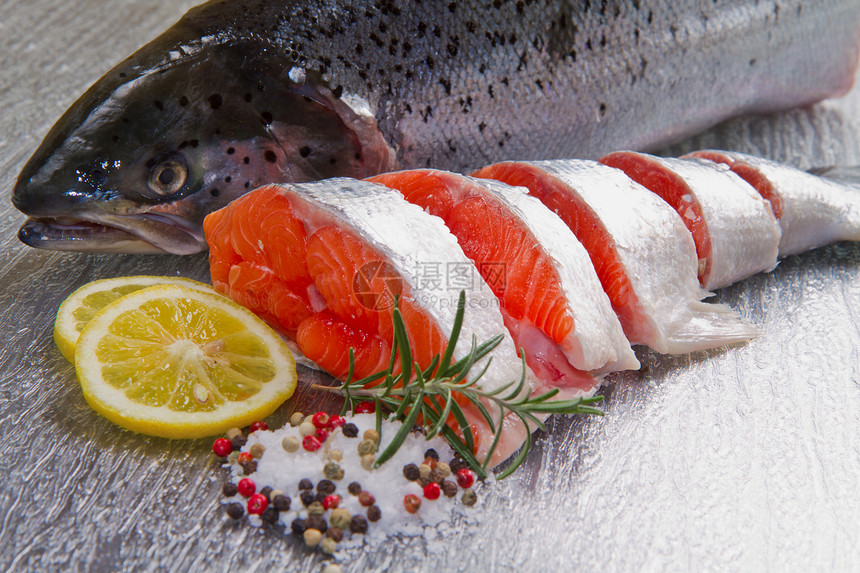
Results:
<point x="298" y="526"/>
<point x="410" y="472"/>
<point x="238" y="441"/>
<point x="335" y="533"/>
<point x="320" y="496"/>
<point x="432" y="454"/>
<point x="326" y="487"/>
<point x="449" y="488"/>
<point x="350" y="430"/>
<point x="316" y="522"/>
<point x="354" y="488"/>
<point x="235" y="510"/>
<point x="267" y="491"/>
<point x="307" y="498"/>
<point x="270" y="515"/>
<point x="281" y="503"/>
<point x="230" y="489"/>
<point x="249" y="467"/>
<point x="358" y="524"/>
<point x="457" y="464"/>
<point x="374" y="513"/>
<point x="306" y="484"/>
<point x="423" y="482"/>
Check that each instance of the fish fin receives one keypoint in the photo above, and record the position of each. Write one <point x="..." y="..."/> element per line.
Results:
<point x="702" y="326"/>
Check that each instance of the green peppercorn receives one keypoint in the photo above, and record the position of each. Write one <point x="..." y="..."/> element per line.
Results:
<point x="316" y="508"/>
<point x="374" y="513"/>
<point x="296" y="419"/>
<point x="354" y="488"/>
<point x="469" y="497"/>
<point x="358" y="524"/>
<point x="340" y="517"/>
<point x="371" y="435"/>
<point x="334" y="455"/>
<point x="366" y="447"/>
<point x="290" y="444"/>
<point x="312" y="537"/>
<point x="333" y="471"/>
<point x="328" y="546"/>
<point x="367" y="462"/>
<point x="410" y="472"/>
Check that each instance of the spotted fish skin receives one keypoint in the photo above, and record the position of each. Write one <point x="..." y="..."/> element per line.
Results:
<point x="310" y="89"/>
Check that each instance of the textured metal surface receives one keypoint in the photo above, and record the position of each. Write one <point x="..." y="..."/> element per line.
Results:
<point x="737" y="459"/>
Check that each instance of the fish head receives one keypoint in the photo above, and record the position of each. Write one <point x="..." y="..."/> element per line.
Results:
<point x="177" y="132"/>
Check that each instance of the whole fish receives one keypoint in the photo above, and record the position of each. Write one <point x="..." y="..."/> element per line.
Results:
<point x="238" y="94"/>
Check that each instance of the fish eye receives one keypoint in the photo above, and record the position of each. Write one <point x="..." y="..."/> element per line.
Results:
<point x="167" y="177"/>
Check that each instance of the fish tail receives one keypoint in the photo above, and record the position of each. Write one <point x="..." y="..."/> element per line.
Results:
<point x="701" y="326"/>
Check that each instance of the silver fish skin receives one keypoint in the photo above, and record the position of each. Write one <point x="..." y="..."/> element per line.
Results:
<point x="658" y="257"/>
<point x="238" y="94"/>
<point x="814" y="211"/>
<point x="743" y="232"/>
<point x="408" y="237"/>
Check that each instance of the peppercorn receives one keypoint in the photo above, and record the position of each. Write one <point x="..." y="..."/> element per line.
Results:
<point x="374" y="513"/>
<point x="312" y="537"/>
<point x="256" y="426"/>
<point x="320" y="496"/>
<point x="316" y="508"/>
<point x="424" y="470"/>
<point x="267" y="491"/>
<point x="307" y="429"/>
<point x="423" y="482"/>
<point x="335" y="533"/>
<point x="232" y="433"/>
<point x="444" y="469"/>
<point x="412" y="503"/>
<point x="296" y="418"/>
<point x="371" y="435"/>
<point x="257" y="451"/>
<point x="328" y="546"/>
<point x="281" y="502"/>
<point x="334" y="455"/>
<point x="336" y="422"/>
<point x="333" y="471"/>
<point x="366" y="499"/>
<point x="239" y="442"/>
<point x="307" y="498"/>
<point x="331" y="501"/>
<point x="270" y="515"/>
<point x="449" y="488"/>
<point x="457" y="464"/>
<point x="436" y="475"/>
<point x="290" y="444"/>
<point x="249" y="467"/>
<point x="222" y="447"/>
<point x="432" y="490"/>
<point x="430" y="462"/>
<point x="257" y="504"/>
<point x="358" y="524"/>
<point x="411" y="472"/>
<point x="367" y="407"/>
<point x="465" y="478"/>
<point x="305" y="484"/>
<point x="246" y="487"/>
<point x="354" y="488"/>
<point x="311" y="443"/>
<point x="432" y="454"/>
<point x="316" y="522"/>
<point x="229" y="489"/>
<point x="340" y="517"/>
<point x="469" y="497"/>
<point x="325" y="486"/>
<point x="350" y="430"/>
<point x="298" y="526"/>
<point x="235" y="510"/>
<point x="321" y="434"/>
<point x="320" y="419"/>
<point x="366" y="447"/>
<point x="245" y="457"/>
<point x="367" y="462"/>
<point x="332" y="568"/>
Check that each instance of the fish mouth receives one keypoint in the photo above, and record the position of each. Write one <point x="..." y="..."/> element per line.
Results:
<point x="147" y="233"/>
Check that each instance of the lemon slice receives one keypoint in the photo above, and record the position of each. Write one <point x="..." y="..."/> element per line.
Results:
<point x="84" y="303"/>
<point x="174" y="362"/>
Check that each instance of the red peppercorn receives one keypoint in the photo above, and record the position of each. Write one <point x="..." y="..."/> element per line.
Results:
<point x="365" y="407"/>
<point x="321" y="434"/>
<point x="257" y="504"/>
<point x="336" y="422"/>
<point x="222" y="447"/>
<point x="331" y="501"/>
<point x="245" y="457"/>
<point x="320" y="419"/>
<point x="311" y="443"/>
<point x="259" y="426"/>
<point x="432" y="490"/>
<point x="412" y="503"/>
<point x="366" y="498"/>
<point x="246" y="487"/>
<point x="466" y="478"/>
<point x="430" y="462"/>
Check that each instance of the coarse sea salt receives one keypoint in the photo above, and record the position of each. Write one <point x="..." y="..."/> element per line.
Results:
<point x="283" y="471"/>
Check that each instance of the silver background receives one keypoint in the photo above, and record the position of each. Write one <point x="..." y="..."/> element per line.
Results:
<point x="737" y="459"/>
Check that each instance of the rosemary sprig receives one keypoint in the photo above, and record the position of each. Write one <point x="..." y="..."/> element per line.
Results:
<point x="432" y="393"/>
